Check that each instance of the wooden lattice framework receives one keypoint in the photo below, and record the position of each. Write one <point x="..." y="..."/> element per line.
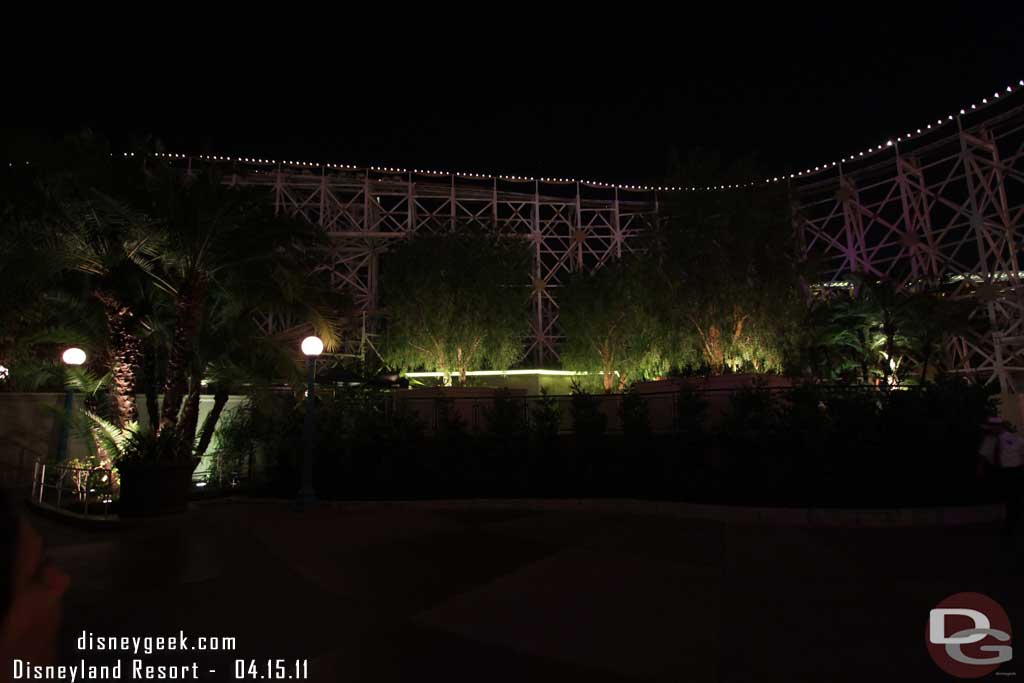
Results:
<point x="946" y="211"/>
<point x="570" y="226"/>
<point x="939" y="208"/>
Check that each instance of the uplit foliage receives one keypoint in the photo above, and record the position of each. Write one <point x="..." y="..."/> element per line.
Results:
<point x="727" y="281"/>
<point x="611" y="325"/>
<point x="93" y="475"/>
<point x="456" y="302"/>
<point x="875" y="333"/>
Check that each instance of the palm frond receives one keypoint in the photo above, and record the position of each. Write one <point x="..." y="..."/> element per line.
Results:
<point x="108" y="435"/>
<point x="85" y="381"/>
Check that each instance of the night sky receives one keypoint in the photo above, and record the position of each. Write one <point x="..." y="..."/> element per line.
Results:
<point x="609" y="100"/>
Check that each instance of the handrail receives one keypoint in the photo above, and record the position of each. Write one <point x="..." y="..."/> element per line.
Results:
<point x="78" y="482"/>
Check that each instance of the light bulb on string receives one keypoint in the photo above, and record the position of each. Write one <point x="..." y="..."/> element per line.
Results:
<point x="910" y="135"/>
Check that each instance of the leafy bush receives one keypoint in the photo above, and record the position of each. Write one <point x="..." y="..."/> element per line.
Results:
<point x="545" y="417"/>
<point x="754" y="413"/>
<point x="935" y="427"/>
<point x="751" y="438"/>
<point x="691" y="413"/>
<point x="449" y="422"/>
<point x="236" y="446"/>
<point x="95" y="476"/>
<point x="805" y="421"/>
<point x="635" y="416"/>
<point x="815" y="444"/>
<point x="145" y="446"/>
<point x="587" y="419"/>
<point x="505" y="417"/>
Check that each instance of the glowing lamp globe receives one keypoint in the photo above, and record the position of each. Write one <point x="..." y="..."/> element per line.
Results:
<point x="312" y="346"/>
<point x="74" y="356"/>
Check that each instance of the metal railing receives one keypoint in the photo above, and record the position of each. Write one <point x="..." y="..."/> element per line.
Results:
<point x="74" y="490"/>
<point x="663" y="409"/>
<point x="472" y="412"/>
<point x="665" y="413"/>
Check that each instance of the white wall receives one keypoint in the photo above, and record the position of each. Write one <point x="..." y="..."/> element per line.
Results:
<point x="30" y="429"/>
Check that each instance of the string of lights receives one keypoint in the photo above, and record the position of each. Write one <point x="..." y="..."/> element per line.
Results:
<point x="912" y="134"/>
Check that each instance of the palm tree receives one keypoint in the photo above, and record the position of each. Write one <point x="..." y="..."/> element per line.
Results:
<point x="854" y="328"/>
<point x="223" y="241"/>
<point x="68" y="244"/>
<point x="175" y="267"/>
<point x="877" y="330"/>
<point x="932" y="318"/>
<point x="224" y="259"/>
<point x="116" y="247"/>
<point x="235" y="353"/>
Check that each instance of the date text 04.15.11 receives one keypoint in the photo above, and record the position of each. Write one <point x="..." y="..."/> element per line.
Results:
<point x="272" y="669"/>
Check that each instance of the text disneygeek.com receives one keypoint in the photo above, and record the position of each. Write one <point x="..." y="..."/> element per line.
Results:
<point x="134" y="667"/>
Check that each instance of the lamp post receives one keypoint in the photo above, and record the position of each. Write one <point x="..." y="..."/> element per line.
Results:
<point x="311" y="347"/>
<point x="73" y="357"/>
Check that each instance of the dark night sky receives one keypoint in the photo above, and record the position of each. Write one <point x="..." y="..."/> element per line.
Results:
<point x="605" y="101"/>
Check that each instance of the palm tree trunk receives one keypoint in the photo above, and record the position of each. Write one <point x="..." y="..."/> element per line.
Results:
<point x="863" y="355"/>
<point x="889" y="331"/>
<point x="188" y="305"/>
<point x="125" y="352"/>
<point x="220" y="399"/>
<point x="190" y="418"/>
<point x="152" y="404"/>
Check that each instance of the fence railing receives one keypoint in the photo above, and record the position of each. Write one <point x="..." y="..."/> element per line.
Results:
<point x="435" y="412"/>
<point x="91" y="491"/>
<point x="75" y="490"/>
<point x="663" y="409"/>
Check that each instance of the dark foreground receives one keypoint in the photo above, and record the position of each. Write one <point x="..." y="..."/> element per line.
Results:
<point x="393" y="592"/>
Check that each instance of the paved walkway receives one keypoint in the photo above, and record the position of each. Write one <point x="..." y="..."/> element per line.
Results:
<point x="375" y="592"/>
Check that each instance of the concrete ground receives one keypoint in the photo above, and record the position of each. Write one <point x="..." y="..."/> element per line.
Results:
<point x="400" y="592"/>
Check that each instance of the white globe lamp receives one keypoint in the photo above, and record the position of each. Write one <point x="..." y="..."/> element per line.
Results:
<point x="73" y="356"/>
<point x="312" y="346"/>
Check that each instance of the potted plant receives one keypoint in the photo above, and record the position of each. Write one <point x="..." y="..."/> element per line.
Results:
<point x="153" y="468"/>
<point x="156" y="473"/>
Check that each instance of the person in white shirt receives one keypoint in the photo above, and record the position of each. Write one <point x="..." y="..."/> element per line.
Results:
<point x="1001" y="452"/>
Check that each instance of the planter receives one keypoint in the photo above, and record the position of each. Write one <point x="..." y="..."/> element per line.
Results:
<point x="149" y="489"/>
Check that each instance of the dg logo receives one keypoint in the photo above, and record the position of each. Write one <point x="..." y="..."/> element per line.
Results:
<point x="968" y="635"/>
